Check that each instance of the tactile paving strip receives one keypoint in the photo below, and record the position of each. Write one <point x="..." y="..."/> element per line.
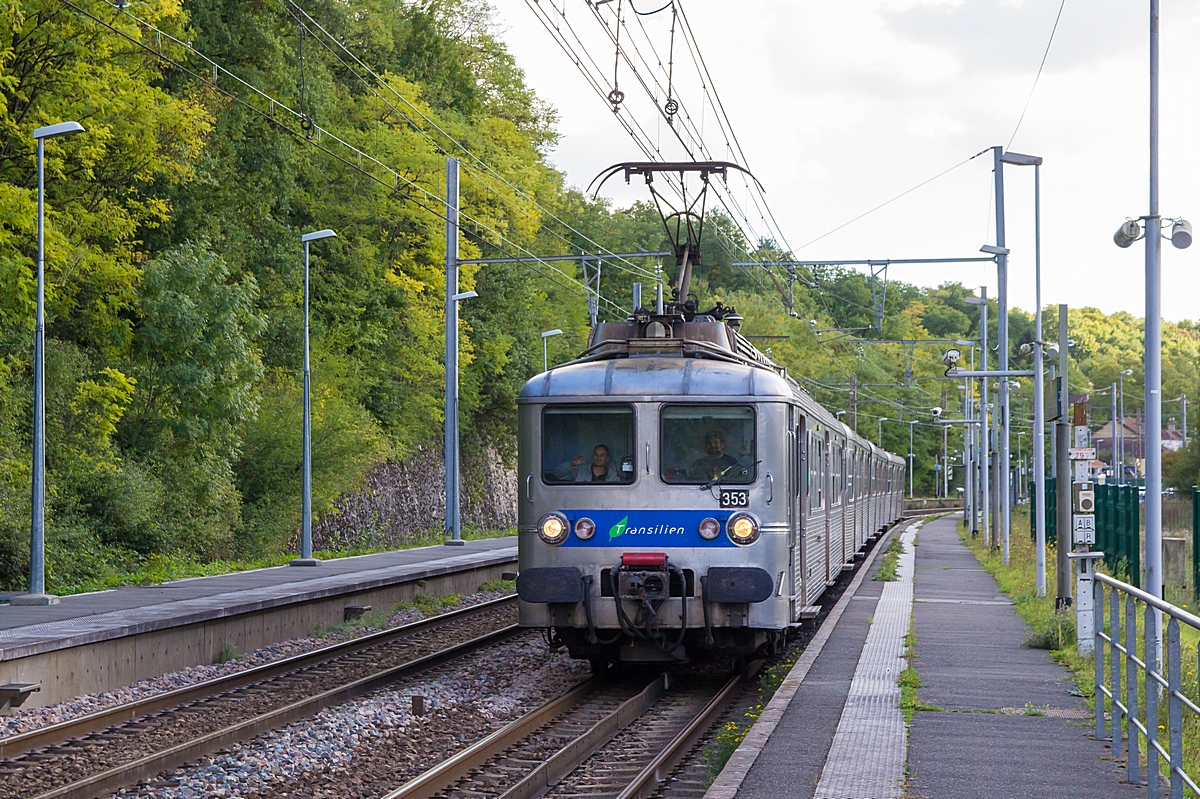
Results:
<point x="867" y="757"/>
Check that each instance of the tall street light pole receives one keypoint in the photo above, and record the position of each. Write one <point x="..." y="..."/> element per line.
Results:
<point x="37" y="528"/>
<point x="985" y="489"/>
<point x="1002" y="422"/>
<point x="1039" y="492"/>
<point x="1152" y="431"/>
<point x="1181" y="237"/>
<point x="1039" y="406"/>
<point x="546" y="352"/>
<point x="306" y="556"/>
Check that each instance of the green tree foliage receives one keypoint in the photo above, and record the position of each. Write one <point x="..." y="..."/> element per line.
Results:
<point x="175" y="285"/>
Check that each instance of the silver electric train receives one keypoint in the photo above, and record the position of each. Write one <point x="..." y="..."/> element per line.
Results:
<point x="681" y="498"/>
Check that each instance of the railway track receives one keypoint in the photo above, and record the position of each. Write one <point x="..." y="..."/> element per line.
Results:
<point x="606" y="739"/>
<point x="101" y="752"/>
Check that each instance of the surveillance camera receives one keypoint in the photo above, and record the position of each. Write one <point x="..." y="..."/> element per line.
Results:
<point x="937" y="412"/>
<point x="1127" y="234"/>
<point x="951" y="358"/>
<point x="1052" y="350"/>
<point x="1025" y="350"/>
<point x="812" y="322"/>
<point x="1015" y="385"/>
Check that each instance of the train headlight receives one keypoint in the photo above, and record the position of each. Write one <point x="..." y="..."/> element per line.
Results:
<point x="585" y="528"/>
<point x="742" y="528"/>
<point x="709" y="529"/>
<point x="553" y="528"/>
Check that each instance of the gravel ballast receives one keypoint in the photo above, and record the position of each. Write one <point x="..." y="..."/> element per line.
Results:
<point x="369" y="746"/>
<point x="37" y="717"/>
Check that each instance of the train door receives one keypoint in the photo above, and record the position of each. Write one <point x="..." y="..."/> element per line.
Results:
<point x="827" y="467"/>
<point x="851" y="525"/>
<point x="837" y="506"/>
<point x="815" y="537"/>
<point x="798" y="528"/>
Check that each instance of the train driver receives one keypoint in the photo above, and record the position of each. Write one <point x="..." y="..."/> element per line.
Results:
<point x="599" y="471"/>
<point x="716" y="462"/>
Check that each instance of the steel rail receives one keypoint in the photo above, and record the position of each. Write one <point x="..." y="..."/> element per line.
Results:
<point x="108" y="781"/>
<point x="562" y="763"/>
<point x="659" y="769"/>
<point x="102" y="719"/>
<point x="567" y="759"/>
<point x="460" y="765"/>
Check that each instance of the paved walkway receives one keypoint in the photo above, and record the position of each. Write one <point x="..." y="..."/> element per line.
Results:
<point x="972" y="663"/>
<point x="85" y="618"/>
<point x="999" y="719"/>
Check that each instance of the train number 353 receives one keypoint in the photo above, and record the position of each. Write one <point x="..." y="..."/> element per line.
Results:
<point x="735" y="498"/>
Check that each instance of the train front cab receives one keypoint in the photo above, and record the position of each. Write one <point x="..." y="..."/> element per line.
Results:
<point x="661" y="535"/>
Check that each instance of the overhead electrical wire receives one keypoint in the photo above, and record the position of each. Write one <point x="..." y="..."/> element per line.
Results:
<point x="397" y="183"/>
<point x="1038" y="76"/>
<point x="621" y="111"/>
<point x="600" y="250"/>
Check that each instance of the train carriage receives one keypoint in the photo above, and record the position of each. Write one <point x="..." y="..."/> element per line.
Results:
<point x="682" y="497"/>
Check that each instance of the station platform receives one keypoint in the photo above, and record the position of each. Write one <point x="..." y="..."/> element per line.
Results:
<point x="102" y="640"/>
<point x="993" y="718"/>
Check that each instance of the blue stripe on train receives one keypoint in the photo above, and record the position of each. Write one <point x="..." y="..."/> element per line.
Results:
<point x="647" y="528"/>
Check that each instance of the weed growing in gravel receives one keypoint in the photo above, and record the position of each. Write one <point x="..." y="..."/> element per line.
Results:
<point x="891" y="557"/>
<point x="725" y="743"/>
<point x="507" y="586"/>
<point x="731" y="735"/>
<point x="228" y="652"/>
<point x="431" y="605"/>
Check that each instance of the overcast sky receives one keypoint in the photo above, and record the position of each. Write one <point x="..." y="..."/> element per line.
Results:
<point x="842" y="105"/>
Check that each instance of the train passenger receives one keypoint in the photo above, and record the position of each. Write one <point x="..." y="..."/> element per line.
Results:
<point x="599" y="471"/>
<point x="716" y="462"/>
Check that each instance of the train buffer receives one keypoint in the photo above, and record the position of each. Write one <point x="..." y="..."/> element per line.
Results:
<point x="981" y="713"/>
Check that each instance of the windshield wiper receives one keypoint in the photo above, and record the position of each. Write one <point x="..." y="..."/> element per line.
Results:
<point x="716" y="481"/>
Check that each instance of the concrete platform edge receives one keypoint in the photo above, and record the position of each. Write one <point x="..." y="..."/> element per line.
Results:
<point x="729" y="781"/>
<point x="352" y="584"/>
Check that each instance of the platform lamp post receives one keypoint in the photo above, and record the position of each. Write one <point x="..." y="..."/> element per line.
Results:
<point x="37" y="528"/>
<point x="1181" y="237"/>
<point x="1039" y="410"/>
<point x="545" y="350"/>
<point x="985" y="442"/>
<point x="879" y="436"/>
<point x="306" y="556"/>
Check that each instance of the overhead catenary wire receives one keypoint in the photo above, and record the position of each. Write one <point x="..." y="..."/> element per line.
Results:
<point x="349" y="155"/>
<point x="297" y="11"/>
<point x="696" y="144"/>
<point x="1038" y="76"/>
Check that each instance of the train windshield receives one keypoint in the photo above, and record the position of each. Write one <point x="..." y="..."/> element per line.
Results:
<point x="588" y="444"/>
<point x="701" y="443"/>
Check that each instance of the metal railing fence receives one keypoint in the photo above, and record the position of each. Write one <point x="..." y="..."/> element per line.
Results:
<point x="1137" y="686"/>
